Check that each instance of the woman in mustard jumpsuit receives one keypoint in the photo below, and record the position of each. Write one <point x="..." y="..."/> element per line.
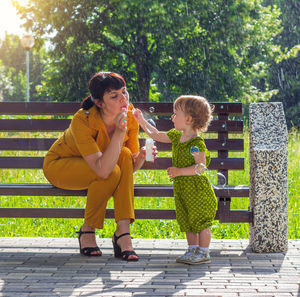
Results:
<point x="99" y="152"/>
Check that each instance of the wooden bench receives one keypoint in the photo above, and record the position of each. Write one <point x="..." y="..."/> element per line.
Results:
<point x="221" y="126"/>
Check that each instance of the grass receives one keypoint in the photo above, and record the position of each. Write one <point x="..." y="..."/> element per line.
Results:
<point x="140" y="228"/>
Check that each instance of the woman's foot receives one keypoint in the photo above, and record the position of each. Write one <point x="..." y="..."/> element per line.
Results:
<point x="123" y="247"/>
<point x="87" y="241"/>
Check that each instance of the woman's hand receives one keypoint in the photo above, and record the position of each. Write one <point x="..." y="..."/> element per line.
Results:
<point x="139" y="159"/>
<point x="173" y="172"/>
<point x="143" y="152"/>
<point x="120" y="121"/>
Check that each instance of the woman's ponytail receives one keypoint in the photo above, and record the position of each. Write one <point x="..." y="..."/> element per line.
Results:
<point x="87" y="103"/>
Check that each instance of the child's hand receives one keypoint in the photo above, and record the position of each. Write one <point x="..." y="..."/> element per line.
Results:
<point x="173" y="172"/>
<point x="138" y="115"/>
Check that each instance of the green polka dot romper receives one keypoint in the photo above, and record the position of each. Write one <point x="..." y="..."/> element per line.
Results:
<point x="195" y="200"/>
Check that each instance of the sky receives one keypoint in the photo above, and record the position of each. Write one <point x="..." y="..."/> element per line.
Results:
<point x="9" y="21"/>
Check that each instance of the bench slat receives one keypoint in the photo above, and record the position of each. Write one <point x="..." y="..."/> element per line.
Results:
<point x="79" y="213"/>
<point x="235" y="215"/>
<point x="160" y="163"/>
<point x="43" y="144"/>
<point x="140" y="190"/>
<point x="36" y="125"/>
<point x="215" y="125"/>
<point x="26" y="144"/>
<point x="68" y="108"/>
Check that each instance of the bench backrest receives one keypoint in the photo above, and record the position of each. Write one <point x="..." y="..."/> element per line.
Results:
<point x="221" y="126"/>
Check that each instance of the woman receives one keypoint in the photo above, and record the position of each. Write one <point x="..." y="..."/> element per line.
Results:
<point x="100" y="152"/>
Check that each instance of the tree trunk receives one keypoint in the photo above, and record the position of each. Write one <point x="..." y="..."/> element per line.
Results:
<point x="143" y="80"/>
<point x="143" y="67"/>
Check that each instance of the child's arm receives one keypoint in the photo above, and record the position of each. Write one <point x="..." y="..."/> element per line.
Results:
<point x="198" y="168"/>
<point x="149" y="129"/>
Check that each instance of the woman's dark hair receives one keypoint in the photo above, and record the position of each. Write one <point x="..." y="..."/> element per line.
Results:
<point x="100" y="83"/>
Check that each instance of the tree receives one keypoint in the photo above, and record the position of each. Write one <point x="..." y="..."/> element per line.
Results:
<point x="12" y="63"/>
<point x="227" y="53"/>
<point x="284" y="75"/>
<point x="5" y="82"/>
<point x="167" y="47"/>
<point x="12" y="56"/>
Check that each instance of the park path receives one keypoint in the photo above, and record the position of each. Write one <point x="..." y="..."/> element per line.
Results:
<point x="53" y="267"/>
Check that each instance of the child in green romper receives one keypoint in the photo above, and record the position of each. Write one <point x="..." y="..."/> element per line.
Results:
<point x="195" y="199"/>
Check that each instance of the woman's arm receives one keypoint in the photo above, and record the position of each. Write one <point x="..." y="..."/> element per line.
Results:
<point x="103" y="163"/>
<point x="149" y="129"/>
<point x="139" y="159"/>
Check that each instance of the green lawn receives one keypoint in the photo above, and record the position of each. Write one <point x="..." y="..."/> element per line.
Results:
<point x="140" y="228"/>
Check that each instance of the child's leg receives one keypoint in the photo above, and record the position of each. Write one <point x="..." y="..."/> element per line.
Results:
<point x="192" y="238"/>
<point x="204" y="238"/>
<point x="202" y="252"/>
<point x="204" y="241"/>
<point x="198" y="252"/>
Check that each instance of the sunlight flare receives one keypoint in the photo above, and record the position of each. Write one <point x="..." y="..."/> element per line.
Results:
<point x="10" y="22"/>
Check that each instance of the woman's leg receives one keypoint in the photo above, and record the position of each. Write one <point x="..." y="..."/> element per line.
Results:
<point x="124" y="201"/>
<point x="123" y="196"/>
<point x="124" y="242"/>
<point x="99" y="192"/>
<point x="75" y="174"/>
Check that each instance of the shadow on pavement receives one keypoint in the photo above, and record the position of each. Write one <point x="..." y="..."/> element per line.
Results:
<point x="61" y="271"/>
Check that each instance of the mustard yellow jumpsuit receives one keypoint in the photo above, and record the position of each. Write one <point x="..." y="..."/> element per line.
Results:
<point x="65" y="167"/>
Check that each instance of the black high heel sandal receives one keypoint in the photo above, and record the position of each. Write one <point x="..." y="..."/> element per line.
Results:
<point x="125" y="254"/>
<point x="87" y="251"/>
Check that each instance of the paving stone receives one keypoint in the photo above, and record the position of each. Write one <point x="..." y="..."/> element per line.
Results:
<point x="53" y="267"/>
<point x="13" y="294"/>
<point x="255" y="295"/>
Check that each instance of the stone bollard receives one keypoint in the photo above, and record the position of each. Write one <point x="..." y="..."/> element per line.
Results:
<point x="268" y="157"/>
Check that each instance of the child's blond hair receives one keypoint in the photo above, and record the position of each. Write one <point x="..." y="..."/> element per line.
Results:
<point x="198" y="108"/>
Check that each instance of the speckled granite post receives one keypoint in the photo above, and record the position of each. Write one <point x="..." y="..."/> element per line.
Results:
<point x="268" y="149"/>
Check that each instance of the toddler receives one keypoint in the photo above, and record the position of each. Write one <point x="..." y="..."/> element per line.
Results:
<point x="195" y="200"/>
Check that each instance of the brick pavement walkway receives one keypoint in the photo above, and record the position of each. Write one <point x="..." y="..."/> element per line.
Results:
<point x="53" y="267"/>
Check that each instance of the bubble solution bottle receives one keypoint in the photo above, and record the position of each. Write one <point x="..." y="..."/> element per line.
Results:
<point x="149" y="149"/>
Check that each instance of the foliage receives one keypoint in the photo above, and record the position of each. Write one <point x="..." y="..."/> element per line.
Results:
<point x="12" y="79"/>
<point x="13" y="60"/>
<point x="219" y="49"/>
<point x="6" y="86"/>
<point x="12" y="84"/>
<point x="284" y="73"/>
<point x="235" y="49"/>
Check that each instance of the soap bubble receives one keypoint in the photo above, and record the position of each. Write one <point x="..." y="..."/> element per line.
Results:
<point x="201" y="168"/>
<point x="151" y="109"/>
<point x="151" y="122"/>
<point x="217" y="179"/>
<point x="221" y="179"/>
